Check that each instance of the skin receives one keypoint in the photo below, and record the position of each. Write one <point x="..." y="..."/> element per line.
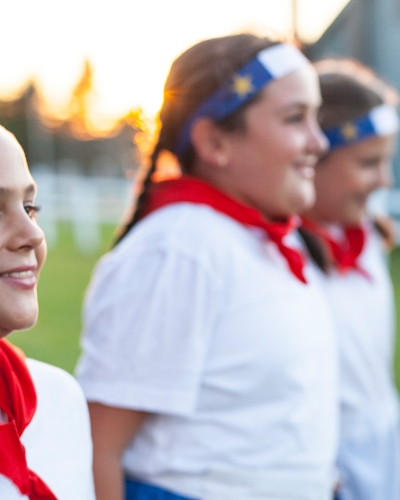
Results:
<point x="269" y="166"/>
<point x="347" y="176"/>
<point x="22" y="244"/>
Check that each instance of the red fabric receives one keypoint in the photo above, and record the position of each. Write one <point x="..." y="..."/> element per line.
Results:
<point x="18" y="401"/>
<point x="189" y="189"/>
<point x="345" y="253"/>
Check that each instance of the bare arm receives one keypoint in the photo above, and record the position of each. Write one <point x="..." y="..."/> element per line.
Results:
<point x="112" y="430"/>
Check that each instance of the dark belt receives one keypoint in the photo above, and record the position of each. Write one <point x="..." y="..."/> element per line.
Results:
<point x="136" y="490"/>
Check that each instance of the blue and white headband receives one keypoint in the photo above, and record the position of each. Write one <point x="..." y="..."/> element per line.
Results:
<point x="268" y="65"/>
<point x="379" y="122"/>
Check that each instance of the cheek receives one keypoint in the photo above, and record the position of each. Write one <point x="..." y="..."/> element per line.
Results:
<point x="41" y="254"/>
<point x="357" y="180"/>
<point x="287" y="145"/>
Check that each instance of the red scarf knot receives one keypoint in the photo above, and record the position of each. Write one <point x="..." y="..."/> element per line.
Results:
<point x="344" y="254"/>
<point x="18" y="401"/>
<point x="191" y="190"/>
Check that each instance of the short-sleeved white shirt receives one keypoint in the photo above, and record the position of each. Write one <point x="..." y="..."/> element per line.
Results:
<point x="197" y="319"/>
<point x="369" y="458"/>
<point x="57" y="441"/>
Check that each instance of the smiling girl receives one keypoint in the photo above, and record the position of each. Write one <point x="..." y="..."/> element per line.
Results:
<point x="360" y="120"/>
<point x="209" y="355"/>
<point x="45" y="449"/>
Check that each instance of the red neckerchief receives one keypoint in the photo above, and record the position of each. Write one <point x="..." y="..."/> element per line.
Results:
<point x="189" y="189"/>
<point x="18" y="402"/>
<point x="343" y="254"/>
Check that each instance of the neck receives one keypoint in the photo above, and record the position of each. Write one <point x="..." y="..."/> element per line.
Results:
<point x="224" y="181"/>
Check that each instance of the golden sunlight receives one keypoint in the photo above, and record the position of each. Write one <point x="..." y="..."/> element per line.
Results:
<point x="130" y="46"/>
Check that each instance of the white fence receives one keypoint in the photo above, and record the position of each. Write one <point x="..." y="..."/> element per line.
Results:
<point x="86" y="202"/>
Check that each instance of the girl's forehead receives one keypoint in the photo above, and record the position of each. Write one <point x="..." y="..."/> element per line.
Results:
<point x="15" y="183"/>
<point x="14" y="173"/>
<point x="298" y="88"/>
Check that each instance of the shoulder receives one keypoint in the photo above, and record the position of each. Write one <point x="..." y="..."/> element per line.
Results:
<point x="55" y="384"/>
<point x="178" y="232"/>
<point x="184" y="225"/>
<point x="57" y="441"/>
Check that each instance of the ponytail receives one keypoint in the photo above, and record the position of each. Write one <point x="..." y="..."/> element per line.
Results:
<point x="139" y="207"/>
<point x="316" y="250"/>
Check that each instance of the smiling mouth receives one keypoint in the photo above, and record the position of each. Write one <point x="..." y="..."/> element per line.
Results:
<point x="306" y="171"/>
<point x="23" y="280"/>
<point x="18" y="275"/>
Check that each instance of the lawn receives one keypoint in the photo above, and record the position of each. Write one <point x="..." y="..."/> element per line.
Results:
<point x="55" y="338"/>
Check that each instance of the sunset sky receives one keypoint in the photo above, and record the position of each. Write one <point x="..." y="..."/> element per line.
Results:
<point x="130" y="43"/>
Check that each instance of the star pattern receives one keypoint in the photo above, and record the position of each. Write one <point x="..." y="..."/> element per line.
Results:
<point x="349" y="131"/>
<point x="242" y="85"/>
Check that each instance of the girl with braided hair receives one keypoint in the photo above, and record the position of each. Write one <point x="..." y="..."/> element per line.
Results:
<point x="45" y="446"/>
<point x="359" y="117"/>
<point x="209" y="356"/>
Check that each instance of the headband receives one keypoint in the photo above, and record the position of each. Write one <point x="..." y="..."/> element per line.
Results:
<point x="380" y="121"/>
<point x="268" y="65"/>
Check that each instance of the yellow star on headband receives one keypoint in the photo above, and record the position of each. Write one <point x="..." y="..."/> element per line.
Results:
<point x="349" y="131"/>
<point x="242" y="85"/>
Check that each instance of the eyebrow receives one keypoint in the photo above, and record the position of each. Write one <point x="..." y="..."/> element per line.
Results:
<point x="301" y="105"/>
<point x="7" y="192"/>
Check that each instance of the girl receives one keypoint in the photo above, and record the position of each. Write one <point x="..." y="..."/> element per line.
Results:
<point x="209" y="355"/>
<point x="360" y="122"/>
<point x="45" y="448"/>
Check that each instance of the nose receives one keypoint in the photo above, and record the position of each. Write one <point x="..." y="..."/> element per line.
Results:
<point x="318" y="142"/>
<point x="26" y="234"/>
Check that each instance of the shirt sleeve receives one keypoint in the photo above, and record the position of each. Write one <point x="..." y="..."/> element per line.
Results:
<point x="147" y="323"/>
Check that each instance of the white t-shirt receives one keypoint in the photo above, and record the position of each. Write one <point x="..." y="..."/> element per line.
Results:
<point x="195" y="318"/>
<point x="369" y="457"/>
<point x="57" y="441"/>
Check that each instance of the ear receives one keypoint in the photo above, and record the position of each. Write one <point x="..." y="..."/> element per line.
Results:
<point x="210" y="142"/>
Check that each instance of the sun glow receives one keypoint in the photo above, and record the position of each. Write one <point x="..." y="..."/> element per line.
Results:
<point x="130" y="45"/>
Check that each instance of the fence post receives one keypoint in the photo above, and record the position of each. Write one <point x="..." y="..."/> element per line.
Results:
<point x="85" y="214"/>
<point x="47" y="200"/>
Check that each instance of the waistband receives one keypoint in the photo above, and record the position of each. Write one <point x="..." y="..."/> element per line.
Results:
<point x="294" y="484"/>
<point x="136" y="490"/>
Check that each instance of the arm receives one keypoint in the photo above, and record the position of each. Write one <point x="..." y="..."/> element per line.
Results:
<point x="112" y="430"/>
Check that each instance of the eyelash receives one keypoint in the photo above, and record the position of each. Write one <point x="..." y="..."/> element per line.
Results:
<point x="31" y="210"/>
<point x="295" y="118"/>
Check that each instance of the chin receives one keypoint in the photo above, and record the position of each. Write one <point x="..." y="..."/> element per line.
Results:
<point x="305" y="202"/>
<point x="356" y="216"/>
<point x="23" y="320"/>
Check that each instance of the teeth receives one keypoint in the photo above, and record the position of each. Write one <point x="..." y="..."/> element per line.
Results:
<point x="22" y="274"/>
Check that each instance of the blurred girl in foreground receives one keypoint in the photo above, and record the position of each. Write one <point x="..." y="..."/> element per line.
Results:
<point x="360" y="121"/>
<point x="45" y="449"/>
<point x="209" y="354"/>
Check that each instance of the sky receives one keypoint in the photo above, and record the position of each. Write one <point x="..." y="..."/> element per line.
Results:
<point x="130" y="43"/>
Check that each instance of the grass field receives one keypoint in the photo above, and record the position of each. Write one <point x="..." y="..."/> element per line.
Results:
<point x="55" y="338"/>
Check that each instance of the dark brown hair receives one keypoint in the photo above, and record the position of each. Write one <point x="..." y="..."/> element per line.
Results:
<point x="194" y="76"/>
<point x="349" y="90"/>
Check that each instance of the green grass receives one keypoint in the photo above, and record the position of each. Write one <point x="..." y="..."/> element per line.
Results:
<point x="55" y="338"/>
<point x="395" y="272"/>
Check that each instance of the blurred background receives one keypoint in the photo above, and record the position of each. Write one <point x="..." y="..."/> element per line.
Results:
<point x="80" y="86"/>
